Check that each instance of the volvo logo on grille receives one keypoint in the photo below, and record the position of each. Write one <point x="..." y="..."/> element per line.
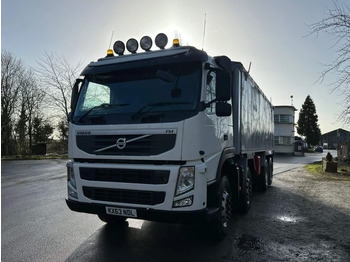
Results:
<point x="121" y="143"/>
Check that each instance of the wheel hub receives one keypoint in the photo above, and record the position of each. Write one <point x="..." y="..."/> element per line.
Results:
<point x="226" y="208"/>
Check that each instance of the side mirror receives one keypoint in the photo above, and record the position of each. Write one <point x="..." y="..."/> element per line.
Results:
<point x="223" y="85"/>
<point x="75" y="92"/>
<point x="223" y="109"/>
<point x="224" y="62"/>
<point x="70" y="117"/>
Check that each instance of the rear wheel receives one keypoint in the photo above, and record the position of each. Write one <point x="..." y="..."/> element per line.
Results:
<point x="270" y="164"/>
<point x="263" y="178"/>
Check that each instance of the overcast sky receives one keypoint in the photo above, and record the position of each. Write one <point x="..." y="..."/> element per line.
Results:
<point x="271" y="34"/>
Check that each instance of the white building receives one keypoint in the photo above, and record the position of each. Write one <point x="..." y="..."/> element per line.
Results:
<point x="284" y="129"/>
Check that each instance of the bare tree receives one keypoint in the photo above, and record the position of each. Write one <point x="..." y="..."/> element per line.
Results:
<point x="337" y="23"/>
<point x="12" y="72"/>
<point x="20" y="102"/>
<point x="32" y="100"/>
<point x="57" y="79"/>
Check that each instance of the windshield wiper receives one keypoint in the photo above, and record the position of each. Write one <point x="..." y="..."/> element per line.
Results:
<point x="104" y="106"/>
<point x="142" y="110"/>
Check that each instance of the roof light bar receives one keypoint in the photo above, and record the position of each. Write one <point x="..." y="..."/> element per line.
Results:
<point x="146" y="43"/>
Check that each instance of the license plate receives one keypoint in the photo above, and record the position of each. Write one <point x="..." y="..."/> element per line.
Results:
<point x="124" y="212"/>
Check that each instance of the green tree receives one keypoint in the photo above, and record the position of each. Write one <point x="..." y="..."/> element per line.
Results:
<point x="63" y="130"/>
<point x="308" y="122"/>
<point x="42" y="130"/>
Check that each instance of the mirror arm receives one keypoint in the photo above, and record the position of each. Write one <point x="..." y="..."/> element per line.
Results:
<point x="205" y="105"/>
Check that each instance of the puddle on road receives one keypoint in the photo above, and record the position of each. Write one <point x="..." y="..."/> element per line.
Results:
<point x="288" y="219"/>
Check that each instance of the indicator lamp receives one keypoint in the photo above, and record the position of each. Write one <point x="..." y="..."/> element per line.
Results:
<point x="110" y="53"/>
<point x="176" y="42"/>
<point x="119" y="47"/>
<point x="146" y="43"/>
<point x="132" y="45"/>
<point x="161" y="40"/>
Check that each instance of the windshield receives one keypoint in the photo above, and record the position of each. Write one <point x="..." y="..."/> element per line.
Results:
<point x="164" y="93"/>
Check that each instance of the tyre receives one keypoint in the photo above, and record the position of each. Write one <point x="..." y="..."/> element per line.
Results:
<point x="263" y="178"/>
<point x="244" y="201"/>
<point x="270" y="168"/>
<point x="112" y="220"/>
<point x="220" y="225"/>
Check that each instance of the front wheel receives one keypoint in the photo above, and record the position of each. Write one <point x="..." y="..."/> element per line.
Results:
<point x="244" y="202"/>
<point x="222" y="222"/>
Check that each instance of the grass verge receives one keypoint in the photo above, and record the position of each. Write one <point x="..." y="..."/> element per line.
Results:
<point x="343" y="173"/>
<point x="33" y="157"/>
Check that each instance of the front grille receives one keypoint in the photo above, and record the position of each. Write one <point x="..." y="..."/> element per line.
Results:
<point x="124" y="196"/>
<point x="107" y="144"/>
<point x="154" y="177"/>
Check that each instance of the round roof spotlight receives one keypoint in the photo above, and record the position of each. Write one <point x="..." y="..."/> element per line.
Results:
<point x="132" y="45"/>
<point x="161" y="40"/>
<point x="146" y="43"/>
<point x="119" y="47"/>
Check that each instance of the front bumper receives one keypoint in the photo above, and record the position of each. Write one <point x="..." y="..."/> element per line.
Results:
<point x="191" y="217"/>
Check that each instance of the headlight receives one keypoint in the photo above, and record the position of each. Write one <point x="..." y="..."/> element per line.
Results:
<point x="70" y="174"/>
<point x="185" y="180"/>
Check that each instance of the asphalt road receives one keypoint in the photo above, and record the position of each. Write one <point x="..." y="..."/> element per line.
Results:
<point x="36" y="224"/>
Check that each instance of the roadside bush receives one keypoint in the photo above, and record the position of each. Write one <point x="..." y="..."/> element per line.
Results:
<point x="56" y="147"/>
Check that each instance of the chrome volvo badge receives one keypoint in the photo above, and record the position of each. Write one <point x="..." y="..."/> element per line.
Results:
<point x="121" y="143"/>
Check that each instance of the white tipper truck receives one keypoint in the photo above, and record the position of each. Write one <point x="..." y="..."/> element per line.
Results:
<point x="170" y="135"/>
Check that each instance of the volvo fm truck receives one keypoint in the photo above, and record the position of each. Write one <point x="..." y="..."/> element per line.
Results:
<point x="170" y="135"/>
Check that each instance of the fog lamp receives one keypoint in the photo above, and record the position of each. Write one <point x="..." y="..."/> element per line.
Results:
<point x="72" y="193"/>
<point x="132" y="45"/>
<point x="161" y="40"/>
<point x="119" y="47"/>
<point x="183" y="202"/>
<point x="146" y="43"/>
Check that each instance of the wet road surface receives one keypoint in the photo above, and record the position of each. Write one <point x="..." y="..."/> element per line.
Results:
<point x="292" y="221"/>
